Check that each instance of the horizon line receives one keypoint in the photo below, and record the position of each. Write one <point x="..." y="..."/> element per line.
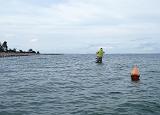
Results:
<point x="93" y="53"/>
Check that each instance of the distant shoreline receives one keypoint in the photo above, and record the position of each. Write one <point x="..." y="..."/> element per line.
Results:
<point x="8" y="54"/>
<point x="52" y="54"/>
<point x="16" y="54"/>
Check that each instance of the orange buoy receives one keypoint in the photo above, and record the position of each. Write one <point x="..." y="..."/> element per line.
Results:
<point x="135" y="73"/>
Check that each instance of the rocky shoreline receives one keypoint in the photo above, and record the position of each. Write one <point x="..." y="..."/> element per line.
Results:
<point x="7" y="54"/>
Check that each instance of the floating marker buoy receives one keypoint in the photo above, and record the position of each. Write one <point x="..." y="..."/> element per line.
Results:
<point x="135" y="73"/>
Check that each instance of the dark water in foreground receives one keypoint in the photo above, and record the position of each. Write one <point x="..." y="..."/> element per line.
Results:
<point x="76" y="85"/>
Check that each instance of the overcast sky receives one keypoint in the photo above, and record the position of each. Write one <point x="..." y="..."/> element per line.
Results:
<point x="81" y="26"/>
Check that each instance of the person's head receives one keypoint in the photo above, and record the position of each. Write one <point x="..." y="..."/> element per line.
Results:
<point x="101" y="48"/>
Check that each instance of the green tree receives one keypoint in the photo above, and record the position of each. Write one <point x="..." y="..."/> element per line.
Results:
<point x="38" y="52"/>
<point x="20" y="51"/>
<point x="1" y="48"/>
<point x="30" y="50"/>
<point x="4" y="46"/>
<point x="14" y="50"/>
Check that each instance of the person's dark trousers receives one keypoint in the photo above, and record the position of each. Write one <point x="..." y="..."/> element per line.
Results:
<point x="99" y="59"/>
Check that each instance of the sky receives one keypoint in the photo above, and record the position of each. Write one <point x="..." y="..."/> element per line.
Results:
<point x="81" y="26"/>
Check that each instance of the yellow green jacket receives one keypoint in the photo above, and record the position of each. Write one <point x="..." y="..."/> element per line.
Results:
<point x="100" y="53"/>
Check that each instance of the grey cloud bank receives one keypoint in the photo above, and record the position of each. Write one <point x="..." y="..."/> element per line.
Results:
<point x="81" y="26"/>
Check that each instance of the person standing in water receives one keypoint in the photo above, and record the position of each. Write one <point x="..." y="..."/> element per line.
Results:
<point x="99" y="55"/>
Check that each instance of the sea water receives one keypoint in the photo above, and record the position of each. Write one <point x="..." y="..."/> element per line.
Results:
<point x="76" y="85"/>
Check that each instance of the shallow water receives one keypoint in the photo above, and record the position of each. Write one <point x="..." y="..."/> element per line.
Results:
<point x="76" y="85"/>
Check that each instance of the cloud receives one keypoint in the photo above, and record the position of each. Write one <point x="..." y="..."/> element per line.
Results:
<point x="77" y="24"/>
<point x="34" y="40"/>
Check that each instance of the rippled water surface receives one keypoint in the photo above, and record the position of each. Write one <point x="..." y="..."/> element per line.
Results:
<point x="76" y="85"/>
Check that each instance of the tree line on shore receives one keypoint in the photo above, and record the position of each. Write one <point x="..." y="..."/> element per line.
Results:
<point x="4" y="48"/>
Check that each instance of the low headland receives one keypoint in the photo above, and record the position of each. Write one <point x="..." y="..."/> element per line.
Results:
<point x="5" y="52"/>
<point x="11" y="54"/>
